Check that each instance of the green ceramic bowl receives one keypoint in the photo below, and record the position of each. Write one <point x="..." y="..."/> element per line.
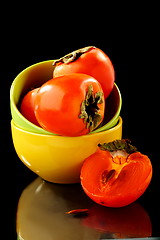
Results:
<point x="31" y="77"/>
<point x="34" y="76"/>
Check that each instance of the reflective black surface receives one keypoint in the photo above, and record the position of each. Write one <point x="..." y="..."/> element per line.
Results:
<point x="42" y="208"/>
<point x="137" y="75"/>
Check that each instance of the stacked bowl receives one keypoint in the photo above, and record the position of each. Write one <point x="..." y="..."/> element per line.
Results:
<point x="57" y="158"/>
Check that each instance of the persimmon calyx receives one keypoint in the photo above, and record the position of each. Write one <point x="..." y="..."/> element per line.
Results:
<point x="73" y="56"/>
<point x="78" y="212"/>
<point x="124" y="145"/>
<point x="119" y="150"/>
<point x="89" y="108"/>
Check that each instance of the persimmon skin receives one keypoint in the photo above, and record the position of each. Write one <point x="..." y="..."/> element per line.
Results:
<point x="27" y="106"/>
<point x="122" y="186"/>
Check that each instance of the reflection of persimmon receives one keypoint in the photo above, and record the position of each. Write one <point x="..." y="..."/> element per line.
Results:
<point x="130" y="221"/>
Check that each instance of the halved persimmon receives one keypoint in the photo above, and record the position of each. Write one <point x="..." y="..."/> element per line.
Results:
<point x="116" y="174"/>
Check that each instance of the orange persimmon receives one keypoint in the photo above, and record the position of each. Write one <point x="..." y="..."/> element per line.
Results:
<point x="91" y="61"/>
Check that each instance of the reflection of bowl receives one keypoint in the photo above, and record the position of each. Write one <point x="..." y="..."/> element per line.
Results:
<point x="57" y="158"/>
<point x="41" y="212"/>
<point x="34" y="76"/>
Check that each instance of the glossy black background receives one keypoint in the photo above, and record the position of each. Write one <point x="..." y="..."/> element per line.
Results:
<point x="132" y="45"/>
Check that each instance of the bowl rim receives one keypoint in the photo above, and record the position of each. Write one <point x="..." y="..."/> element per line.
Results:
<point x="36" y="129"/>
<point x="119" y="124"/>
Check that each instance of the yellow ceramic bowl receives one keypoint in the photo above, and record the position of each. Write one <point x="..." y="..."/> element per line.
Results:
<point x="56" y="158"/>
<point x="34" y="76"/>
